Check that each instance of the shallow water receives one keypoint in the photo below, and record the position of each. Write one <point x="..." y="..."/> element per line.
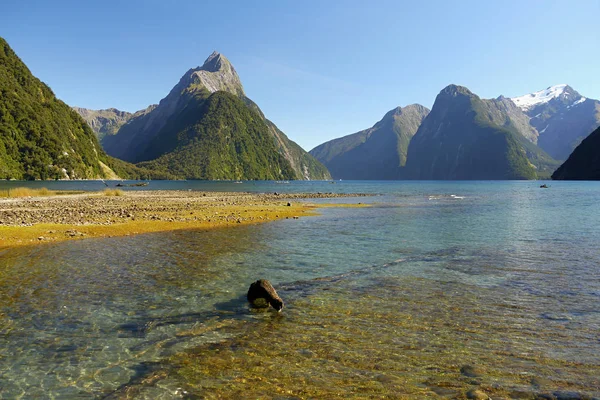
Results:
<point x="437" y="289"/>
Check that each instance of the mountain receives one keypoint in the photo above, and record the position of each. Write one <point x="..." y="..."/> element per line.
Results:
<point x="584" y="162"/>
<point x="108" y="121"/>
<point x="104" y="122"/>
<point x="466" y="137"/>
<point x="562" y="117"/>
<point x="190" y="133"/>
<point x="228" y="141"/>
<point x="40" y="136"/>
<point x="375" y="153"/>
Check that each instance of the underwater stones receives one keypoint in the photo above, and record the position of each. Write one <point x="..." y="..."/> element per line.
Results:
<point x="471" y="371"/>
<point x="566" y="395"/>
<point x="522" y="394"/>
<point x="307" y="353"/>
<point x="261" y="294"/>
<point x="477" y="394"/>
<point x="538" y="382"/>
<point x="444" y="391"/>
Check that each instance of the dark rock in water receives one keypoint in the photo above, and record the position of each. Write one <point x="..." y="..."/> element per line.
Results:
<point x="544" y="396"/>
<point x="522" y="394"/>
<point x="445" y="392"/>
<point x="262" y="294"/>
<point x="477" y="395"/>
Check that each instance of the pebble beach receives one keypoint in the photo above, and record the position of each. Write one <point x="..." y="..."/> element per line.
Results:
<point x="31" y="220"/>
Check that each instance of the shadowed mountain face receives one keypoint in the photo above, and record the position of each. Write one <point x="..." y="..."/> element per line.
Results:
<point x="191" y="121"/>
<point x="562" y="117"/>
<point x="465" y="137"/>
<point x="375" y="153"/>
<point x="104" y="122"/>
<point x="584" y="162"/>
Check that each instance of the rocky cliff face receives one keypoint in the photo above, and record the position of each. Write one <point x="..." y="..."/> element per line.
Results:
<point x="104" y="122"/>
<point x="136" y="140"/>
<point x="217" y="74"/>
<point x="584" y="162"/>
<point x="466" y="137"/>
<point x="562" y="117"/>
<point x="503" y="112"/>
<point x="375" y="153"/>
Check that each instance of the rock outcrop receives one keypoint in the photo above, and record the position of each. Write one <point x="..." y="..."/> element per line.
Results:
<point x="261" y="294"/>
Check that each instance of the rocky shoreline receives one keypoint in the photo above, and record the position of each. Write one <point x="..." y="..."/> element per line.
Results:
<point x="61" y="217"/>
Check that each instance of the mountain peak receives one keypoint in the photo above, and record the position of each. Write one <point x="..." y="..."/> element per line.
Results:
<point x="215" y="62"/>
<point x="532" y="100"/>
<point x="394" y="111"/>
<point x="455" y="90"/>
<point x="214" y="75"/>
<point x="411" y="108"/>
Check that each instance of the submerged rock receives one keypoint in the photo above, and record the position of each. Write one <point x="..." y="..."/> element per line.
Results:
<point x="477" y="394"/>
<point x="567" y="395"/>
<point x="471" y="371"/>
<point x="261" y="294"/>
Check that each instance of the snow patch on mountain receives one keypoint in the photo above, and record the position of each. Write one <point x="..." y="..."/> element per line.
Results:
<point x="581" y="100"/>
<point x="531" y="100"/>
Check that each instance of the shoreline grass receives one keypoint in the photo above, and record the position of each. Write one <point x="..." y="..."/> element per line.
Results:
<point x="23" y="192"/>
<point x="26" y="192"/>
<point x="112" y="192"/>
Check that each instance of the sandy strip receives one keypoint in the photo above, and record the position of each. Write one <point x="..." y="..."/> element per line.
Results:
<point x="36" y="220"/>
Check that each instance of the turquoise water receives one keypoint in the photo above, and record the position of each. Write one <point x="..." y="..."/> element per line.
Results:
<point x="395" y="300"/>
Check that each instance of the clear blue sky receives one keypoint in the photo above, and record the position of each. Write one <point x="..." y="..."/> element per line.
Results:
<point x="318" y="69"/>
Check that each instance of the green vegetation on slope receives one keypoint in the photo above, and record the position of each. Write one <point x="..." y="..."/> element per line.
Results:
<point x="40" y="136"/>
<point x="217" y="138"/>
<point x="304" y="164"/>
<point x="584" y="162"/>
<point x="519" y="144"/>
<point x="43" y="138"/>
<point x="126" y="170"/>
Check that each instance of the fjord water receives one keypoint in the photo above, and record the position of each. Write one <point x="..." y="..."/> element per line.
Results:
<point x="436" y="289"/>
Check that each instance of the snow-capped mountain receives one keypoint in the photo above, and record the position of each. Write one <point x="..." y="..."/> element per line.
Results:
<point x="563" y="92"/>
<point x="562" y="117"/>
